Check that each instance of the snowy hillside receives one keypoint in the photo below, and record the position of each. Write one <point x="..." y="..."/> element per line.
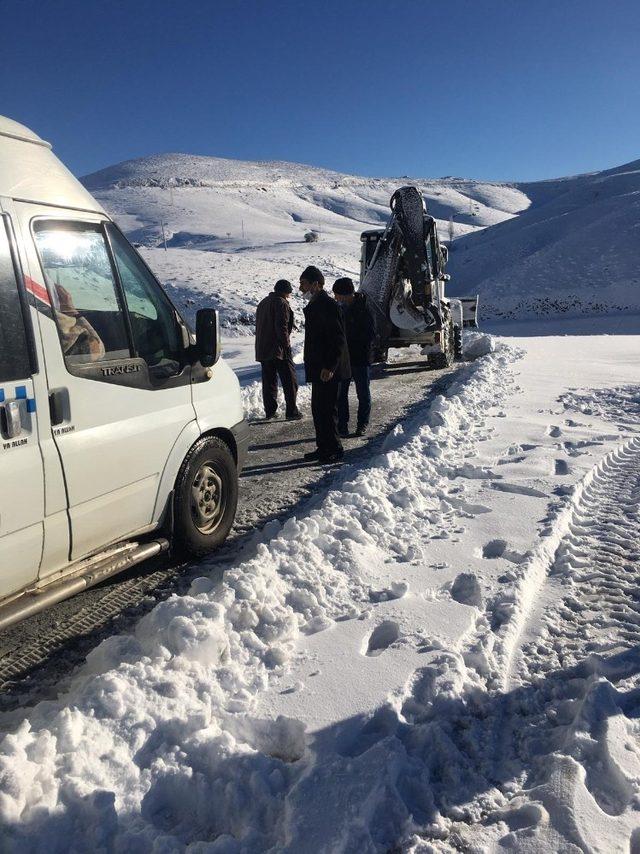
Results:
<point x="233" y="227"/>
<point x="575" y="250"/>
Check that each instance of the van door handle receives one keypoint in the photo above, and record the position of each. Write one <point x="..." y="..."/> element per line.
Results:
<point x="58" y="405"/>
<point x="11" y="422"/>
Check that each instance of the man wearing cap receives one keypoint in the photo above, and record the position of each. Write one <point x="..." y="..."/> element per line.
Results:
<point x="360" y="329"/>
<point x="326" y="363"/>
<point x="274" y="322"/>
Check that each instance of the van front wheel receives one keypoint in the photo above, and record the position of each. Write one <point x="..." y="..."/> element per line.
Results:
<point x="206" y="497"/>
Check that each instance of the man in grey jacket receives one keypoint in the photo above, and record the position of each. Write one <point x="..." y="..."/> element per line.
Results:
<point x="274" y="322"/>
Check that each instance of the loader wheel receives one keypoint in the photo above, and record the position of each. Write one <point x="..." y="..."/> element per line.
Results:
<point x="457" y="342"/>
<point x="206" y="497"/>
<point x="445" y="359"/>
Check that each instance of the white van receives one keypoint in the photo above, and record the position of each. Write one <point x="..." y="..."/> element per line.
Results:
<point x="120" y="431"/>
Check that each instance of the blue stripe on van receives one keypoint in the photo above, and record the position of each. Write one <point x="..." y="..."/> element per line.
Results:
<point x="1" y="395"/>
<point x="31" y="404"/>
<point x="21" y="392"/>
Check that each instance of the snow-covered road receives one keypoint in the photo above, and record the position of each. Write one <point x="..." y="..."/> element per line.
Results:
<point x="37" y="655"/>
<point x="438" y="654"/>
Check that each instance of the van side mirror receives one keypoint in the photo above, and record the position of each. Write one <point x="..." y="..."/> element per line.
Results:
<point x="208" y="346"/>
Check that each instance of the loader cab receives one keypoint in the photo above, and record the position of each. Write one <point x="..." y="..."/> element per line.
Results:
<point x="114" y="416"/>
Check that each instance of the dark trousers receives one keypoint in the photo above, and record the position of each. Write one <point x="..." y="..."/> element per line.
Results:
<point x="324" y="408"/>
<point x="284" y="369"/>
<point x="360" y="376"/>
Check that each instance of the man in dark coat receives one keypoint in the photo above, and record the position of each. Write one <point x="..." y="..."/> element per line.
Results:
<point x="326" y="363"/>
<point x="361" y="332"/>
<point x="274" y="322"/>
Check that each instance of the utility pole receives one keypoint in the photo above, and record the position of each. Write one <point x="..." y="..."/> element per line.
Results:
<point x="164" y="238"/>
<point x="242" y="223"/>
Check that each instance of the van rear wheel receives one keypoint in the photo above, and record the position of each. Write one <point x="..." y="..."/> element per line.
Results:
<point x="206" y="497"/>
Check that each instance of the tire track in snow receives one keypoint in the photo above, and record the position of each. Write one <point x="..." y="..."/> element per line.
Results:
<point x="562" y="739"/>
<point x="570" y="541"/>
<point x="595" y="569"/>
<point x="553" y="746"/>
<point x="570" y="722"/>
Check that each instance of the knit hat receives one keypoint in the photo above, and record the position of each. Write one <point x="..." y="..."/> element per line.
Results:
<point x="313" y="275"/>
<point x="343" y="287"/>
<point x="282" y="286"/>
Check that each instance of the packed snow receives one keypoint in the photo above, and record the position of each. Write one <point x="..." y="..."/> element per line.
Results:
<point x="437" y="654"/>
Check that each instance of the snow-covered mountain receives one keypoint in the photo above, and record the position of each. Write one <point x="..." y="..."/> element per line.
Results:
<point x="233" y="227"/>
<point x="574" y="250"/>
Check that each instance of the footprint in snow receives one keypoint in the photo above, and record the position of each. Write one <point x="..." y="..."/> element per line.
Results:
<point x="466" y="507"/>
<point x="494" y="549"/>
<point x="473" y="472"/>
<point x="466" y="589"/>
<point x="354" y="740"/>
<point x="396" y="590"/>
<point x="517" y="448"/>
<point x="572" y="448"/>
<point x="561" y="467"/>
<point x="382" y="637"/>
<point x="500" y="548"/>
<point x="554" y="431"/>
<point x="518" y="489"/>
<point x="510" y="460"/>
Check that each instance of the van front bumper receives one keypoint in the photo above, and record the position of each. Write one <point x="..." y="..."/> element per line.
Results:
<point x="241" y="436"/>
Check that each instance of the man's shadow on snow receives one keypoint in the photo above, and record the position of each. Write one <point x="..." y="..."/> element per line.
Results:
<point x="361" y="784"/>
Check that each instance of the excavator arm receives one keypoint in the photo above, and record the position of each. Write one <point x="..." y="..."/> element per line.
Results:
<point x="403" y="273"/>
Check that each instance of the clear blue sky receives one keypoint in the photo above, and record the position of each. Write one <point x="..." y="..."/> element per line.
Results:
<point x="517" y="89"/>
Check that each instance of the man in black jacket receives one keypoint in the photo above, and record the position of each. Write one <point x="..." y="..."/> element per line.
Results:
<point x="326" y="363"/>
<point x="360" y="330"/>
<point x="274" y="322"/>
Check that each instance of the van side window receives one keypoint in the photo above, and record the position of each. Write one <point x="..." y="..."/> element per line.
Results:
<point x="14" y="349"/>
<point x="156" y="335"/>
<point x="83" y="292"/>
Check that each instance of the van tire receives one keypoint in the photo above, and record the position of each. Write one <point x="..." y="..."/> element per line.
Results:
<point x="205" y="498"/>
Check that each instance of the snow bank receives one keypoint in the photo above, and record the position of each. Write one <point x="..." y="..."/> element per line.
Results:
<point x="252" y="400"/>
<point x="476" y="344"/>
<point x="155" y="745"/>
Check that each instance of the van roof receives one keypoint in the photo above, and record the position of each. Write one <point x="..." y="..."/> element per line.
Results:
<point x="14" y="129"/>
<point x="30" y="171"/>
